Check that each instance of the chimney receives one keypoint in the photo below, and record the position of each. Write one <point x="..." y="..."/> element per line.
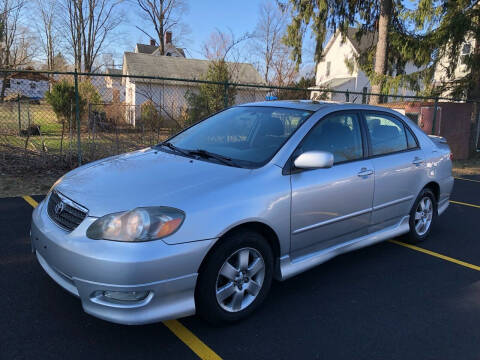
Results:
<point x="168" y="37"/>
<point x="152" y="42"/>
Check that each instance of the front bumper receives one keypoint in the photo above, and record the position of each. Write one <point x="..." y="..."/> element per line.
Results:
<point x="87" y="267"/>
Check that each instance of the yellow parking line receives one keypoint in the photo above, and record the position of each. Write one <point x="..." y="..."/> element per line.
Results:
<point x="185" y="335"/>
<point x="459" y="178"/>
<point x="465" y="204"/>
<point x="189" y="339"/>
<point x="30" y="200"/>
<point x="440" y="256"/>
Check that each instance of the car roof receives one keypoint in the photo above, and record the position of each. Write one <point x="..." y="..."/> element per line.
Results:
<point x="311" y="105"/>
<point x="314" y="105"/>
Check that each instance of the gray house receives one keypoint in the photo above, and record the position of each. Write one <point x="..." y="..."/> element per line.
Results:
<point x="168" y="96"/>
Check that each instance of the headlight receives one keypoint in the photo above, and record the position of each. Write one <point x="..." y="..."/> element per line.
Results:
<point x="140" y="224"/>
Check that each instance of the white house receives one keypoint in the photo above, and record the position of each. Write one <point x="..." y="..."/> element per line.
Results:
<point x="115" y="91"/>
<point x="170" y="96"/>
<point x="461" y="70"/>
<point x="336" y="73"/>
<point x="32" y="85"/>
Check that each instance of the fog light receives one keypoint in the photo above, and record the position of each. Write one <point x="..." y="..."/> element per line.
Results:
<point x="126" y="295"/>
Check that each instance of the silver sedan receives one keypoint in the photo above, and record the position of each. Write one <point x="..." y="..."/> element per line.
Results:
<point x="202" y="222"/>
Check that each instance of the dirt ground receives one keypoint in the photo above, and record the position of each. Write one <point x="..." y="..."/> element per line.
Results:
<point x="466" y="167"/>
<point x="26" y="184"/>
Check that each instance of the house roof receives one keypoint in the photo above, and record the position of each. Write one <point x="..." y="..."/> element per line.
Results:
<point x="29" y="76"/>
<point x="150" y="49"/>
<point x="359" y="43"/>
<point x="146" y="49"/>
<point x="113" y="71"/>
<point x="176" y="67"/>
<point x="335" y="82"/>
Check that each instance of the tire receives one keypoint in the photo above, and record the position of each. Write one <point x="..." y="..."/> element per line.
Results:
<point x="422" y="219"/>
<point x="226" y="293"/>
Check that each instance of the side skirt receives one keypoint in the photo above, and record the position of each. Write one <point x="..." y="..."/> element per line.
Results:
<point x="291" y="267"/>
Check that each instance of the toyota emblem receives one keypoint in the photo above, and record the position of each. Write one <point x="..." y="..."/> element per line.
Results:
<point x="59" y="207"/>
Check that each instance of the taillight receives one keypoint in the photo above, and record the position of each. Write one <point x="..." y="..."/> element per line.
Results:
<point x="451" y="156"/>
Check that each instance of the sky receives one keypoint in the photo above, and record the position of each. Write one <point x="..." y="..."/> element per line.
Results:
<point x="203" y="18"/>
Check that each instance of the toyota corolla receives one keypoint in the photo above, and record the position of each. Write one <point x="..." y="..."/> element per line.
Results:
<point x="204" y="221"/>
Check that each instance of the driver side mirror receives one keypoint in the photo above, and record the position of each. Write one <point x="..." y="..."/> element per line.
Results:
<point x="314" y="160"/>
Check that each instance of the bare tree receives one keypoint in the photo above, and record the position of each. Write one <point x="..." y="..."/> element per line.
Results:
<point x="284" y="70"/>
<point x="47" y="29"/>
<point x="164" y="15"/>
<point x="267" y="39"/>
<point x="269" y="53"/>
<point x="223" y="47"/>
<point x="16" y="42"/>
<point x="90" y="24"/>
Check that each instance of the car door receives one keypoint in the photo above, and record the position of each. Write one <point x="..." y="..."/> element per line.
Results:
<point x="334" y="204"/>
<point x="398" y="162"/>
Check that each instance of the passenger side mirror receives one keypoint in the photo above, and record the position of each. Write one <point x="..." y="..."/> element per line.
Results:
<point x="314" y="160"/>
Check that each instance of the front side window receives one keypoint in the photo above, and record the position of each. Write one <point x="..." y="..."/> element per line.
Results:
<point x="251" y="135"/>
<point x="387" y="134"/>
<point x="339" y="134"/>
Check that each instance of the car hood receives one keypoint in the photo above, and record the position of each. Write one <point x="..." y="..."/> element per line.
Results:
<point x="144" y="178"/>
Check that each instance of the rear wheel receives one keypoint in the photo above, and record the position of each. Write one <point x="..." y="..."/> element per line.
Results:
<point x="235" y="278"/>
<point x="422" y="216"/>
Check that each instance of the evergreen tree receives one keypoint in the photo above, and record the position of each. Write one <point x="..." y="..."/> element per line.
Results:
<point x="446" y="30"/>
<point x="384" y="61"/>
<point x="211" y="97"/>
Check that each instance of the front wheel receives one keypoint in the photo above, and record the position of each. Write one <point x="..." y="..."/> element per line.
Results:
<point x="235" y="278"/>
<point x="422" y="216"/>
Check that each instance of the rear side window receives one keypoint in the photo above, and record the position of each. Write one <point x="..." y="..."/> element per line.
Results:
<point x="339" y="134"/>
<point x="387" y="134"/>
<point x="411" y="143"/>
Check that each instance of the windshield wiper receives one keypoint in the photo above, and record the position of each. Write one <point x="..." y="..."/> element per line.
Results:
<point x="207" y="154"/>
<point x="174" y="148"/>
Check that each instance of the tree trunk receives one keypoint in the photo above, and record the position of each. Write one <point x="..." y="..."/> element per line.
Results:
<point x="4" y="86"/>
<point x="474" y="95"/>
<point x="382" y="46"/>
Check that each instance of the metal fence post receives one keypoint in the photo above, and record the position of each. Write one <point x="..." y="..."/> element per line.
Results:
<point x="364" y="95"/>
<point x="434" y="120"/>
<point x="19" y="116"/>
<point x="77" y="117"/>
<point x="225" y="94"/>
<point x="347" y="96"/>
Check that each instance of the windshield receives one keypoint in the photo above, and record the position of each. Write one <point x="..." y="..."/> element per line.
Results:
<point x="250" y="135"/>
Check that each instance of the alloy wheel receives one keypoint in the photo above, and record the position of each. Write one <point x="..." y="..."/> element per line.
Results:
<point x="240" y="279"/>
<point x="423" y="216"/>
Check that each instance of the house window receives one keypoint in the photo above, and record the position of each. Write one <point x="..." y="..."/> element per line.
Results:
<point x="328" y="68"/>
<point x="466" y="48"/>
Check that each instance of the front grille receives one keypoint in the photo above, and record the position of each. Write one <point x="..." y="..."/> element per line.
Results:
<point x="65" y="212"/>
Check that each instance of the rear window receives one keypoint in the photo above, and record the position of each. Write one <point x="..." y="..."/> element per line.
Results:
<point x="387" y="134"/>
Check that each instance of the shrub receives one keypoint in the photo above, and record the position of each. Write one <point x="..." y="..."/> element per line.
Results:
<point x="62" y="100"/>
<point x="89" y="93"/>
<point x="150" y="117"/>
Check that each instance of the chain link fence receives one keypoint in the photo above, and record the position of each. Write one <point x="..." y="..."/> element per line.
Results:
<point x="63" y="119"/>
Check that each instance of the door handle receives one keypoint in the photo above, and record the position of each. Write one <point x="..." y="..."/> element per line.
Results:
<point x="418" y="161"/>
<point x="365" y="172"/>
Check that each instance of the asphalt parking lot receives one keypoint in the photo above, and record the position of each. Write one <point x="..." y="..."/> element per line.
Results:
<point x="388" y="301"/>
